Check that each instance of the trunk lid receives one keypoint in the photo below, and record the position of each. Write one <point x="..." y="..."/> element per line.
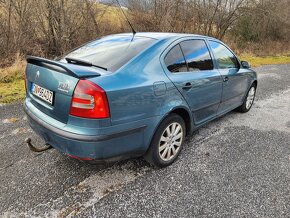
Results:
<point x="50" y="85"/>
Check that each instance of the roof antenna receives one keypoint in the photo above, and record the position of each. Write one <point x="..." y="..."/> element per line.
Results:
<point x="133" y="30"/>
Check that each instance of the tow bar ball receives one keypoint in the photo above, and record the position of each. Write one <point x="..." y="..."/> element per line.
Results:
<point x="35" y="149"/>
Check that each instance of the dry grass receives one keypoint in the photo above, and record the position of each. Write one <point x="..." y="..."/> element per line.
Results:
<point x="14" y="72"/>
<point x="110" y="15"/>
<point x="262" y="49"/>
<point x="12" y="91"/>
<point x="267" y="60"/>
<point x="11" y="82"/>
<point x="265" y="53"/>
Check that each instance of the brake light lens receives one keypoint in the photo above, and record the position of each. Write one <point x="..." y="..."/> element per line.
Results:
<point x="89" y="101"/>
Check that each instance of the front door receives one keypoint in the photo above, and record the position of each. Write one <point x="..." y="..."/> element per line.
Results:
<point x="191" y="70"/>
<point x="235" y="81"/>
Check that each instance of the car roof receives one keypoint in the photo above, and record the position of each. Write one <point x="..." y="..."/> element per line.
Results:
<point x="163" y="35"/>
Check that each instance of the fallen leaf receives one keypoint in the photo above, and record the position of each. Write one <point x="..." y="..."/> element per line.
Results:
<point x="10" y="120"/>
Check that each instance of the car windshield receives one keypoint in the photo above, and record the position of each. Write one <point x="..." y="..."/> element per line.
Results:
<point x="111" y="52"/>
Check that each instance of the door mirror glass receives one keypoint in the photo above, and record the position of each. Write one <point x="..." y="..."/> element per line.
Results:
<point x="245" y="64"/>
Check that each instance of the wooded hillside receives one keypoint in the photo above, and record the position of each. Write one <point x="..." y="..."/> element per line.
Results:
<point x="51" y="28"/>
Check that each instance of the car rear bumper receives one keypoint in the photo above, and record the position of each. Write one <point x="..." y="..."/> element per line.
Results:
<point x="114" y="145"/>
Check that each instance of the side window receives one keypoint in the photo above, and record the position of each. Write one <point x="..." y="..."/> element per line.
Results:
<point x="196" y="55"/>
<point x="175" y="61"/>
<point x="224" y="56"/>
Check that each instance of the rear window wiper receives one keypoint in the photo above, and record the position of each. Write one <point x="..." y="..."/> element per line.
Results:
<point x="83" y="63"/>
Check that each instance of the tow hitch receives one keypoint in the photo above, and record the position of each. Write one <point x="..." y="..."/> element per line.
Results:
<point x="35" y="149"/>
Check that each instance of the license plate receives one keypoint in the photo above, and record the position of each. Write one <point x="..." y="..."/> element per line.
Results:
<point x="42" y="93"/>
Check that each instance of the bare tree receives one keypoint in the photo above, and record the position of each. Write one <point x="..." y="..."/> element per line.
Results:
<point x="51" y="28"/>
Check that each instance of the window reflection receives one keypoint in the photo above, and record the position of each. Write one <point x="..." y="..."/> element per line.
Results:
<point x="225" y="58"/>
<point x="175" y="61"/>
<point x="112" y="52"/>
<point x="197" y="55"/>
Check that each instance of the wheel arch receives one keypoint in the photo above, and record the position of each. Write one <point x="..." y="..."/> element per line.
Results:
<point x="255" y="82"/>
<point x="184" y="113"/>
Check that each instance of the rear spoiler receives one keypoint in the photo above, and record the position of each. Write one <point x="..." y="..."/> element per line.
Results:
<point x="76" y="71"/>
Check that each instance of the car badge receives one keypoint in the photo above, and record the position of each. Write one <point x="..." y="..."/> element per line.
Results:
<point x="64" y="87"/>
<point x="37" y="76"/>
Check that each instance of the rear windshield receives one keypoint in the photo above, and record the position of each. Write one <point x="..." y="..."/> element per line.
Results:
<point x="112" y="52"/>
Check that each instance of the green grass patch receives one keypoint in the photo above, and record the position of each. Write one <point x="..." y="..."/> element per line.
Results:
<point x="12" y="91"/>
<point x="267" y="60"/>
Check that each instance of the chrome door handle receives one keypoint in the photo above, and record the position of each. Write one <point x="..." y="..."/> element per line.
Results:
<point x="226" y="79"/>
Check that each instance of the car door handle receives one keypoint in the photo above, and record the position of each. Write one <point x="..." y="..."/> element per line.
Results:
<point x="187" y="86"/>
<point x="226" y="78"/>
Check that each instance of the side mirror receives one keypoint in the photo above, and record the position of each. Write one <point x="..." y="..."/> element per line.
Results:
<point x="245" y="65"/>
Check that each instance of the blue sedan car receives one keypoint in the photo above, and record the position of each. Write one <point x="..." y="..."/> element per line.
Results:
<point x="124" y="96"/>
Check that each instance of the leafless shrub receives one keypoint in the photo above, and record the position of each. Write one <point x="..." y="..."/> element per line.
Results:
<point x="50" y="28"/>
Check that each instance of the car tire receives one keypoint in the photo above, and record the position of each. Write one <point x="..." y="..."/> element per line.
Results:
<point x="167" y="141"/>
<point x="249" y="99"/>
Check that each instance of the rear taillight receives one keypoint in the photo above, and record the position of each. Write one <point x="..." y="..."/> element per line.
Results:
<point x="89" y="101"/>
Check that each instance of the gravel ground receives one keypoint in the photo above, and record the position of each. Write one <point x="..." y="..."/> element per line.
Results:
<point x="236" y="166"/>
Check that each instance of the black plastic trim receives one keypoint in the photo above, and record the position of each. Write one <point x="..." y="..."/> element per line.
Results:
<point x="54" y="65"/>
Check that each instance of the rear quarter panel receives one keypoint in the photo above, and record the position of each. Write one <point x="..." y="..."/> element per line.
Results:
<point x="133" y="96"/>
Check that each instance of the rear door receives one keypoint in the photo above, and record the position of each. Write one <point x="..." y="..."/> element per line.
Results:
<point x="190" y="68"/>
<point x="235" y="80"/>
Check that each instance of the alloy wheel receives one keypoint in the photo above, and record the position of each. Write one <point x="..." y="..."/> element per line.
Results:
<point x="170" y="141"/>
<point x="250" y="97"/>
